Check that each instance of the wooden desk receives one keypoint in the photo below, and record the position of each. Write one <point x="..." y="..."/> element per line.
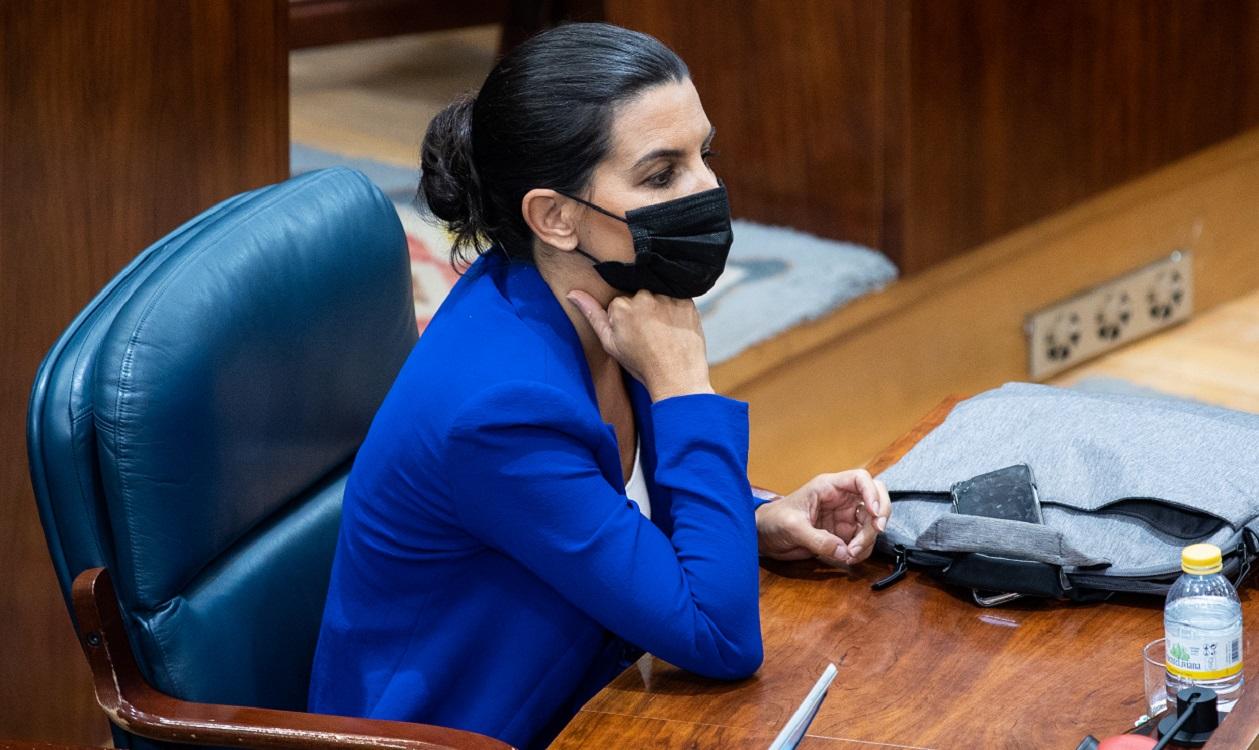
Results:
<point x="33" y="745"/>
<point x="920" y="666"/>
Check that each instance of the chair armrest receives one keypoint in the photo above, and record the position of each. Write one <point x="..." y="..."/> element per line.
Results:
<point x="137" y="707"/>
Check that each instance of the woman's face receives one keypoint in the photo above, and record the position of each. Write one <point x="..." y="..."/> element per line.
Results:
<point x="660" y="144"/>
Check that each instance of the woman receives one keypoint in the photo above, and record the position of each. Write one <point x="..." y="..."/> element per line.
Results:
<point x="552" y="486"/>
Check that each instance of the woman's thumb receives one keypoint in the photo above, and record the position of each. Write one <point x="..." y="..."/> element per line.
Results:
<point x="825" y="544"/>
<point x="594" y="314"/>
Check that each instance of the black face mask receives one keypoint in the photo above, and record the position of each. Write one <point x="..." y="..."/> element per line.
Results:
<point x="680" y="246"/>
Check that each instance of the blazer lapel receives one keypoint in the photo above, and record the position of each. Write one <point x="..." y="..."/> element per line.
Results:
<point x="536" y="305"/>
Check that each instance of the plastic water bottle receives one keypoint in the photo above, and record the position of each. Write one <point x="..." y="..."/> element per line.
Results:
<point x="1203" y="625"/>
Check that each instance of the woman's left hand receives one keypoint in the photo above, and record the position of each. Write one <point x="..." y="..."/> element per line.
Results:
<point x="833" y="516"/>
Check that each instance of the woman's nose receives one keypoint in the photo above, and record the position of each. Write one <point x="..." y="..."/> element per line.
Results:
<point x="707" y="179"/>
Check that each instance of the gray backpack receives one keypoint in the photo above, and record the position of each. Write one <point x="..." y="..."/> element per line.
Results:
<point x="1121" y="484"/>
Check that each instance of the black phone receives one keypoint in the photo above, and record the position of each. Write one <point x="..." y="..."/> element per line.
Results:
<point x="1008" y="493"/>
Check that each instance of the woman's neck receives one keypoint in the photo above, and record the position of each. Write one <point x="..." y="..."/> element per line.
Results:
<point x="561" y="277"/>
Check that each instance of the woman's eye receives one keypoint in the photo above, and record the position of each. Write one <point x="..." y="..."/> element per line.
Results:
<point x="661" y="178"/>
<point x="709" y="154"/>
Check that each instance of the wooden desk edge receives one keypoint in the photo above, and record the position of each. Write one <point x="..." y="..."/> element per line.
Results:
<point x="897" y="450"/>
<point x="1241" y="727"/>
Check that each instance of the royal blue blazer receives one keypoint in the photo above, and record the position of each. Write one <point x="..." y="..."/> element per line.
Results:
<point x="490" y="572"/>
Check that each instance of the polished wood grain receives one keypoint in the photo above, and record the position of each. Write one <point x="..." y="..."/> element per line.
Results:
<point x="593" y="729"/>
<point x="118" y="121"/>
<point x="27" y="745"/>
<point x="1242" y="728"/>
<point x="926" y="127"/>
<point x="1016" y="111"/>
<point x="920" y="666"/>
<point x="134" y="705"/>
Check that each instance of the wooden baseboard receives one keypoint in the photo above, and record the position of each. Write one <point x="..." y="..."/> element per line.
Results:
<point x="829" y="394"/>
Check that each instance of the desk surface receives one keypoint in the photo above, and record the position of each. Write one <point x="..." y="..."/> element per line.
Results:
<point x="920" y="666"/>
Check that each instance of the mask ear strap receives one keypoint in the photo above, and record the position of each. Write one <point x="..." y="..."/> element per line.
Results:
<point x="588" y="255"/>
<point x="601" y="210"/>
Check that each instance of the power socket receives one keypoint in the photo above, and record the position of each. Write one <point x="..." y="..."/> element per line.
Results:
<point x="1110" y="315"/>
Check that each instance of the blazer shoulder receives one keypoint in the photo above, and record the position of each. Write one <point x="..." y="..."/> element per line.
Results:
<point x="521" y="403"/>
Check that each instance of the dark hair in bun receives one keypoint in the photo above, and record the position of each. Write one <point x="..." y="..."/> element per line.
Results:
<point x="541" y="119"/>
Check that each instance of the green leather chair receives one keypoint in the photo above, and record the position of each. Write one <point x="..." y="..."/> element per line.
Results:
<point x="189" y="437"/>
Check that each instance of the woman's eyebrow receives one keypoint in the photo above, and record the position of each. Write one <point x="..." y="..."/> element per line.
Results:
<point x="659" y="153"/>
<point x="662" y="153"/>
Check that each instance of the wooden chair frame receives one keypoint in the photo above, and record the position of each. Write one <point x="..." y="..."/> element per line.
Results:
<point x="137" y="707"/>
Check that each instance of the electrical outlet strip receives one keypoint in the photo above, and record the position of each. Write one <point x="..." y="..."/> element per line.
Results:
<point x="1110" y="315"/>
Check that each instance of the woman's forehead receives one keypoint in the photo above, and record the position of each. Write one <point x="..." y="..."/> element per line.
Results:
<point x="664" y="116"/>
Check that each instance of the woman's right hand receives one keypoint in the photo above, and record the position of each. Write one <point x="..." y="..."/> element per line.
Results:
<point x="658" y="339"/>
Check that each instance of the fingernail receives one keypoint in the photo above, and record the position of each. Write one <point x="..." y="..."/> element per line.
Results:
<point x="882" y="524"/>
<point x="841" y="550"/>
<point x="855" y="550"/>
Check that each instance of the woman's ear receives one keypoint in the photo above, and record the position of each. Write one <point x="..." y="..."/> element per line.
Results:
<point x="548" y="215"/>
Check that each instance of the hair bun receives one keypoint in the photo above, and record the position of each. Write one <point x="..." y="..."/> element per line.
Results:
<point x="448" y="181"/>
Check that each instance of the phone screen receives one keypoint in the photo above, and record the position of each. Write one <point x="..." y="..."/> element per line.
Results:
<point x="1008" y="493"/>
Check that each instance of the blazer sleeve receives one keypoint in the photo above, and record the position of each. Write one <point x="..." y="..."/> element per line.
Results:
<point x="524" y="478"/>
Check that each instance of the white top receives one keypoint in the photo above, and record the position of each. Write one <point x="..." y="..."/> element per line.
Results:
<point x="636" y="487"/>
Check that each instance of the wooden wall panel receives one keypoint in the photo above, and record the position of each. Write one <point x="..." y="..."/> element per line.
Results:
<point x="1019" y="110"/>
<point x="926" y="127"/>
<point x="118" y="120"/>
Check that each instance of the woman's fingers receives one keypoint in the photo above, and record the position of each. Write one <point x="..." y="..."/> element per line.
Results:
<point x="838" y="490"/>
<point x="871" y="497"/>
<point x="596" y="316"/>
<point x="659" y="340"/>
<point x="818" y="541"/>
<point x="839" y="516"/>
<point x="853" y="506"/>
<point x="884" y="511"/>
<point x="873" y="493"/>
<point x="861" y="544"/>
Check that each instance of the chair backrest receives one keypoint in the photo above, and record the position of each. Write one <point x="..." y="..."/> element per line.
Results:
<point x="193" y="427"/>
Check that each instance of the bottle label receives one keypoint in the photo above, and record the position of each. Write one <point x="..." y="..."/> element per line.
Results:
<point x="1198" y="656"/>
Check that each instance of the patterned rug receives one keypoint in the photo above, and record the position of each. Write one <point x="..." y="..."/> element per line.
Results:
<point x="775" y="277"/>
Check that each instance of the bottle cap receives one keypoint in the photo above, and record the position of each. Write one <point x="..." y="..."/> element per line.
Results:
<point x="1201" y="559"/>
